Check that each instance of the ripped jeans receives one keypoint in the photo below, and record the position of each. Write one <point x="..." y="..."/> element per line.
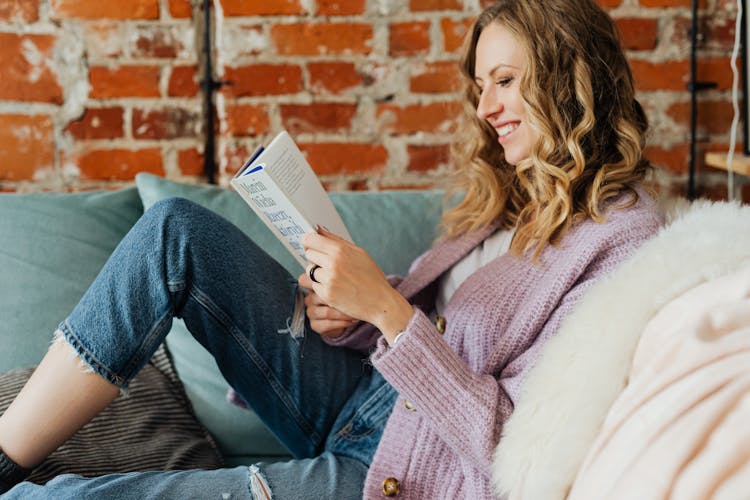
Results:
<point x="325" y="404"/>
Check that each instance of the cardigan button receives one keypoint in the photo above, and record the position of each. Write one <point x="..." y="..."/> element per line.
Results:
<point x="390" y="487"/>
<point x="440" y="324"/>
<point x="409" y="406"/>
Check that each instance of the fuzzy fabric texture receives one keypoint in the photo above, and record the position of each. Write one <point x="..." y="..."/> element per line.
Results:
<point x="585" y="367"/>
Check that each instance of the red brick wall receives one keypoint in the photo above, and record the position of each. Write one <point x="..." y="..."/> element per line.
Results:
<point x="93" y="91"/>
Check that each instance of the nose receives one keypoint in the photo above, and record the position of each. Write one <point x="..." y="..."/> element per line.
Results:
<point x="488" y="104"/>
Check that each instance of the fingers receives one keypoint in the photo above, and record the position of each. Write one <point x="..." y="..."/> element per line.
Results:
<point x="326" y="243"/>
<point x="323" y="312"/>
<point x="325" y="232"/>
<point x="328" y="329"/>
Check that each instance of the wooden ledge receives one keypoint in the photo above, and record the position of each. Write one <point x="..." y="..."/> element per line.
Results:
<point x="740" y="162"/>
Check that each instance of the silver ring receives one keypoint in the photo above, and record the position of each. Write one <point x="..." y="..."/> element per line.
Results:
<point x="311" y="273"/>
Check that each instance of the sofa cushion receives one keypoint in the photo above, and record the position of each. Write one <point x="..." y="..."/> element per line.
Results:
<point x="153" y="428"/>
<point x="51" y="248"/>
<point x="394" y="227"/>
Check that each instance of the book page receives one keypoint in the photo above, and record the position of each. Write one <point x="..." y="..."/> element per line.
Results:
<point x="286" y="164"/>
<point x="282" y="189"/>
<point x="267" y="200"/>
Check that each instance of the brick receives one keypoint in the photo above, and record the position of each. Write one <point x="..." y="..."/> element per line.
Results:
<point x="454" y="32"/>
<point x="26" y="145"/>
<point x="432" y="5"/>
<point x="409" y="39"/>
<point x="357" y="185"/>
<point x="388" y="186"/>
<point x="117" y="164"/>
<point x="436" y="77"/>
<point x="715" y="34"/>
<point x="263" y="79"/>
<point x="427" y="158"/>
<point x="439" y="117"/>
<point x="340" y="7"/>
<point x="19" y="11"/>
<point x="157" y="42"/>
<point x="638" y="33"/>
<point x="105" y="39"/>
<point x="714" y="117"/>
<point x="166" y="123"/>
<point x="183" y="82"/>
<point x="333" y="77"/>
<point x="26" y="75"/>
<point x="190" y="162"/>
<point x="317" y="117"/>
<point x="124" y="81"/>
<point x="674" y="159"/>
<point x="322" y="38"/>
<point x="98" y="123"/>
<point x="668" y="75"/>
<point x="180" y="9"/>
<point x="98" y="9"/>
<point x="343" y="158"/>
<point x="717" y="70"/>
<point x="233" y="8"/>
<point x="247" y="120"/>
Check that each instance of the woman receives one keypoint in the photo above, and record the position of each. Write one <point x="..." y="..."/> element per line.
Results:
<point x="550" y="170"/>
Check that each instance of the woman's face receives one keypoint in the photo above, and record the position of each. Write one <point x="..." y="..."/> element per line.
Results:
<point x="500" y="63"/>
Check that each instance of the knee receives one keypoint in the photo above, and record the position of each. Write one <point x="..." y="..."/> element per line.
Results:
<point x="171" y="213"/>
<point x="171" y="207"/>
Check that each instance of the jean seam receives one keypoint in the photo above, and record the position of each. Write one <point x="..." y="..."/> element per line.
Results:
<point x="236" y="334"/>
<point x="147" y="345"/>
<point x="341" y="435"/>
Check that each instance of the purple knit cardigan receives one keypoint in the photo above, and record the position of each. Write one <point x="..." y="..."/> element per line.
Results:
<point x="463" y="383"/>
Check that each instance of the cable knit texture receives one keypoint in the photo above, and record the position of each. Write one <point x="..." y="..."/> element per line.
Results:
<point x="463" y="383"/>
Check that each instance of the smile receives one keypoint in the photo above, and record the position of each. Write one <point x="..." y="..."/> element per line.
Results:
<point x="506" y="129"/>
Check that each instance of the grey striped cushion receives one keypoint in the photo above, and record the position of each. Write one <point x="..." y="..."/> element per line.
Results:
<point x="153" y="428"/>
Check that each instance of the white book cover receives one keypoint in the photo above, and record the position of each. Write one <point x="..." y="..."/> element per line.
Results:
<point x="283" y="190"/>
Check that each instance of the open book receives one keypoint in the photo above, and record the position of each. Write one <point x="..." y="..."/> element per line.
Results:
<point x="281" y="187"/>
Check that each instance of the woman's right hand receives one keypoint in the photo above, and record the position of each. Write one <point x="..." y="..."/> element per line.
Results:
<point x="324" y="319"/>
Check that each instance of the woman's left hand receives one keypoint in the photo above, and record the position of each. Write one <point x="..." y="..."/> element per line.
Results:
<point x="352" y="283"/>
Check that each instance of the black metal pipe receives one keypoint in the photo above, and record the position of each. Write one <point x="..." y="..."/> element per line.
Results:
<point x="693" y="88"/>
<point x="209" y="86"/>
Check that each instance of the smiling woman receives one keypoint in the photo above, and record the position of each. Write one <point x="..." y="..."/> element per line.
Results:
<point x="500" y="65"/>
<point x="585" y="129"/>
<point x="401" y="385"/>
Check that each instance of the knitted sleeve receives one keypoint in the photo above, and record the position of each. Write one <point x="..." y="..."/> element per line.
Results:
<point x="467" y="409"/>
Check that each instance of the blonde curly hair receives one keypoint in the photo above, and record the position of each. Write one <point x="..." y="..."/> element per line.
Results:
<point x="580" y="101"/>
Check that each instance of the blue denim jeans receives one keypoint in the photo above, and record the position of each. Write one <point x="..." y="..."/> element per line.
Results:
<point x="325" y="404"/>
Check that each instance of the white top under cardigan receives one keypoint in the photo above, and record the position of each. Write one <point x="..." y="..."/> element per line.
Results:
<point x="490" y="249"/>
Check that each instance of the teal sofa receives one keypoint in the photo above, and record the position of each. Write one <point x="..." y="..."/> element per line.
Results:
<point x="53" y="245"/>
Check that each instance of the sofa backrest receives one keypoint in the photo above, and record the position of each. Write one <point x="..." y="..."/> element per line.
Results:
<point x="53" y="245"/>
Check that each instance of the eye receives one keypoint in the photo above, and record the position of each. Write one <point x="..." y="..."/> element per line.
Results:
<point x="504" y="82"/>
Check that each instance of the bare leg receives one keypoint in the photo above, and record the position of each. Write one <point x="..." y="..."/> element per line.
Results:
<point x="58" y="399"/>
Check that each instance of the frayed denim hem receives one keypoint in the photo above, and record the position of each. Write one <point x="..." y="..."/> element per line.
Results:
<point x="295" y="325"/>
<point x="88" y="362"/>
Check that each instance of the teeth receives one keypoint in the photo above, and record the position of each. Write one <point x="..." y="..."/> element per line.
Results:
<point x="507" y="129"/>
